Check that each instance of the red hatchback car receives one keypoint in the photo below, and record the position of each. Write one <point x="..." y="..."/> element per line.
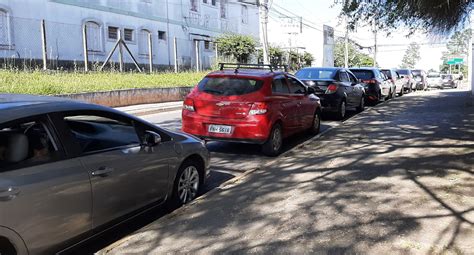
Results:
<point x="251" y="104"/>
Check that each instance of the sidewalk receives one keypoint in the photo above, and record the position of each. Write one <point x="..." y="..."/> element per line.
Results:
<point x="146" y="109"/>
<point x="397" y="179"/>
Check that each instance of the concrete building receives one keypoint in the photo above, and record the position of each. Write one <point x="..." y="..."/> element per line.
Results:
<point x="187" y="20"/>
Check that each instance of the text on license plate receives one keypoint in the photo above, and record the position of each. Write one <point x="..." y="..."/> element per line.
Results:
<point x="221" y="129"/>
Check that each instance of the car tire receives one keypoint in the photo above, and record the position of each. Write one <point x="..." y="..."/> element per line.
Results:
<point x="316" y="125"/>
<point x="401" y="92"/>
<point x="273" y="145"/>
<point x="6" y="248"/>
<point x="187" y="185"/>
<point x="341" y="110"/>
<point x="361" y="106"/>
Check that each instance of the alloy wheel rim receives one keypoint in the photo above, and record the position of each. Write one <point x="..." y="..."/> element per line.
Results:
<point x="276" y="139"/>
<point x="188" y="184"/>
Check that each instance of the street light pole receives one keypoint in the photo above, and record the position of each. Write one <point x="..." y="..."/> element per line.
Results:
<point x="346" y="46"/>
<point x="375" y="45"/>
<point x="264" y="21"/>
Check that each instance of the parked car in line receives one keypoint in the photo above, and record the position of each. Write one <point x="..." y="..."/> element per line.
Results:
<point x="251" y="104"/>
<point x="69" y="170"/>
<point x="393" y="89"/>
<point x="397" y="82"/>
<point x="409" y="81"/>
<point x="434" y="80"/>
<point x="337" y="87"/>
<point x="449" y="81"/>
<point x="420" y="79"/>
<point x="377" y="88"/>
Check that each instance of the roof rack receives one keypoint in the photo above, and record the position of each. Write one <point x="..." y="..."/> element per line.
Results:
<point x="238" y="66"/>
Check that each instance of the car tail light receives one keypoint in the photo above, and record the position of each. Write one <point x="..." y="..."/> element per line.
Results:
<point x="332" y="88"/>
<point x="258" y="108"/>
<point x="188" y="105"/>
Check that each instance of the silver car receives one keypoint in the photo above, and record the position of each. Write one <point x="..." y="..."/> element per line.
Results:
<point x="69" y="170"/>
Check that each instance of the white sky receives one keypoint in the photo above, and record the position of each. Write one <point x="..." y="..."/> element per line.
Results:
<point x="391" y="48"/>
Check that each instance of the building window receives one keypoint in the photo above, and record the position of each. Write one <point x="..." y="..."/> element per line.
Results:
<point x="194" y="5"/>
<point x="204" y="1"/>
<point x="162" y="35"/>
<point x="207" y="45"/>
<point x="143" y="42"/>
<point x="224" y="9"/>
<point x="94" y="36"/>
<point x="128" y="34"/>
<point x="245" y="14"/>
<point x="112" y="33"/>
<point x="5" y="39"/>
<point x="213" y="2"/>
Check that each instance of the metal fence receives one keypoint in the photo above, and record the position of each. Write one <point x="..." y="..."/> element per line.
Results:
<point x="27" y="44"/>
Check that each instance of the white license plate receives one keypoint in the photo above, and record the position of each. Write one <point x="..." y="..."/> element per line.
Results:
<point x="221" y="129"/>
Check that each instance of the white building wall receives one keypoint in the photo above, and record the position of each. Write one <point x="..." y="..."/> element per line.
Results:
<point x="64" y="20"/>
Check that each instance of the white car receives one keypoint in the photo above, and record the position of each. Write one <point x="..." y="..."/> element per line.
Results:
<point x="434" y="80"/>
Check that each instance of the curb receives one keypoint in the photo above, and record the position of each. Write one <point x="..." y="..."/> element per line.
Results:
<point x="159" y="110"/>
<point x="229" y="183"/>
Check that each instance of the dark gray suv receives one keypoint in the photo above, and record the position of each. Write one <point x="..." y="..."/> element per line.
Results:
<point x="69" y="170"/>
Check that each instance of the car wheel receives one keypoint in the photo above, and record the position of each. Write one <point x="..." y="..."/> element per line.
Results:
<point x="272" y="146"/>
<point x="361" y="106"/>
<point x="187" y="184"/>
<point x="401" y="92"/>
<point x="6" y="247"/>
<point x="341" y="111"/>
<point x="316" y="125"/>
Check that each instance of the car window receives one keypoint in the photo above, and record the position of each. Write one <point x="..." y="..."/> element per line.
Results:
<point x="315" y="73"/>
<point x="387" y="73"/>
<point x="26" y="144"/>
<point x="343" y="77"/>
<point x="96" y="133"/>
<point x="363" y="74"/>
<point x="226" y="86"/>
<point x="295" y="86"/>
<point x="353" y="78"/>
<point x="434" y="75"/>
<point x="279" y="85"/>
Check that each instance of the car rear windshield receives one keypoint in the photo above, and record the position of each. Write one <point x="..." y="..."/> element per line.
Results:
<point x="363" y="74"/>
<point x="434" y="75"/>
<point x="225" y="86"/>
<point x="388" y="73"/>
<point x="447" y="76"/>
<point x="403" y="71"/>
<point x="416" y="72"/>
<point x="316" y="74"/>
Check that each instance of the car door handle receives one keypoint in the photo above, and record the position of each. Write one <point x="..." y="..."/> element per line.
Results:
<point x="102" y="171"/>
<point x="10" y="193"/>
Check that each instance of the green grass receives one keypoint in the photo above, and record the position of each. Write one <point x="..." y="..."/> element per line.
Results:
<point x="56" y="82"/>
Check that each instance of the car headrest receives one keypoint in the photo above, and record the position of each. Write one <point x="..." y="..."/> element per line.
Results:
<point x="16" y="148"/>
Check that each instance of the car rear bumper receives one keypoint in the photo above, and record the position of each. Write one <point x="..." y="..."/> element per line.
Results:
<point x="253" y="129"/>
<point x="330" y="102"/>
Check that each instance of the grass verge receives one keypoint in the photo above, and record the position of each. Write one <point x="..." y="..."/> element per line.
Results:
<point x="55" y="83"/>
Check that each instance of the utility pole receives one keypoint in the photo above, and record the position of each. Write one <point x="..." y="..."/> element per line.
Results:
<point x="346" y="46"/>
<point x="264" y="21"/>
<point x="375" y="45"/>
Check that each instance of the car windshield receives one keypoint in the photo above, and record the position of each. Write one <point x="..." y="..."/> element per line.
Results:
<point x="416" y="72"/>
<point x="363" y="74"/>
<point x="434" y="75"/>
<point x="447" y="77"/>
<point x="229" y="86"/>
<point x="403" y="71"/>
<point x="316" y="74"/>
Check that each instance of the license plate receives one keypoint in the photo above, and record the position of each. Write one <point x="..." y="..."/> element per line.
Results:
<point x="220" y="129"/>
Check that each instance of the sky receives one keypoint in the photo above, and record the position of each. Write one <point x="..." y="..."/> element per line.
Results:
<point x="391" y="47"/>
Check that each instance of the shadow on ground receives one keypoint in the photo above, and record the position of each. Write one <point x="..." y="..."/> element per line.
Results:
<point x="397" y="179"/>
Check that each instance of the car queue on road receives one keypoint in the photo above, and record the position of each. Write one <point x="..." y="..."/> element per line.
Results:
<point x="68" y="168"/>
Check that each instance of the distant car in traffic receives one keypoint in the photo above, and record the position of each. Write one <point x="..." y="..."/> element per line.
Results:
<point x="434" y="80"/>
<point x="420" y="79"/>
<point x="251" y="104"/>
<point x="337" y="87"/>
<point x="397" y="81"/>
<point x="448" y="80"/>
<point x="69" y="170"/>
<point x="409" y="80"/>
<point x="377" y="87"/>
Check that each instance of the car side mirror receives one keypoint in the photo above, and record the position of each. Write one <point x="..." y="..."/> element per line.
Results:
<point x="151" y="139"/>
<point x="310" y="90"/>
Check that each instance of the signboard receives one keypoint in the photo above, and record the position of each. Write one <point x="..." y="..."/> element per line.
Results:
<point x="455" y="61"/>
<point x="328" y="46"/>
<point x="291" y="25"/>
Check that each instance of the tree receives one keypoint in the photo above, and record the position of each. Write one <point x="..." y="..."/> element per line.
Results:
<point x="308" y="58"/>
<point x="356" y="56"/>
<point x="241" y="47"/>
<point x="457" y="47"/>
<point x="436" y="16"/>
<point x="412" y="55"/>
